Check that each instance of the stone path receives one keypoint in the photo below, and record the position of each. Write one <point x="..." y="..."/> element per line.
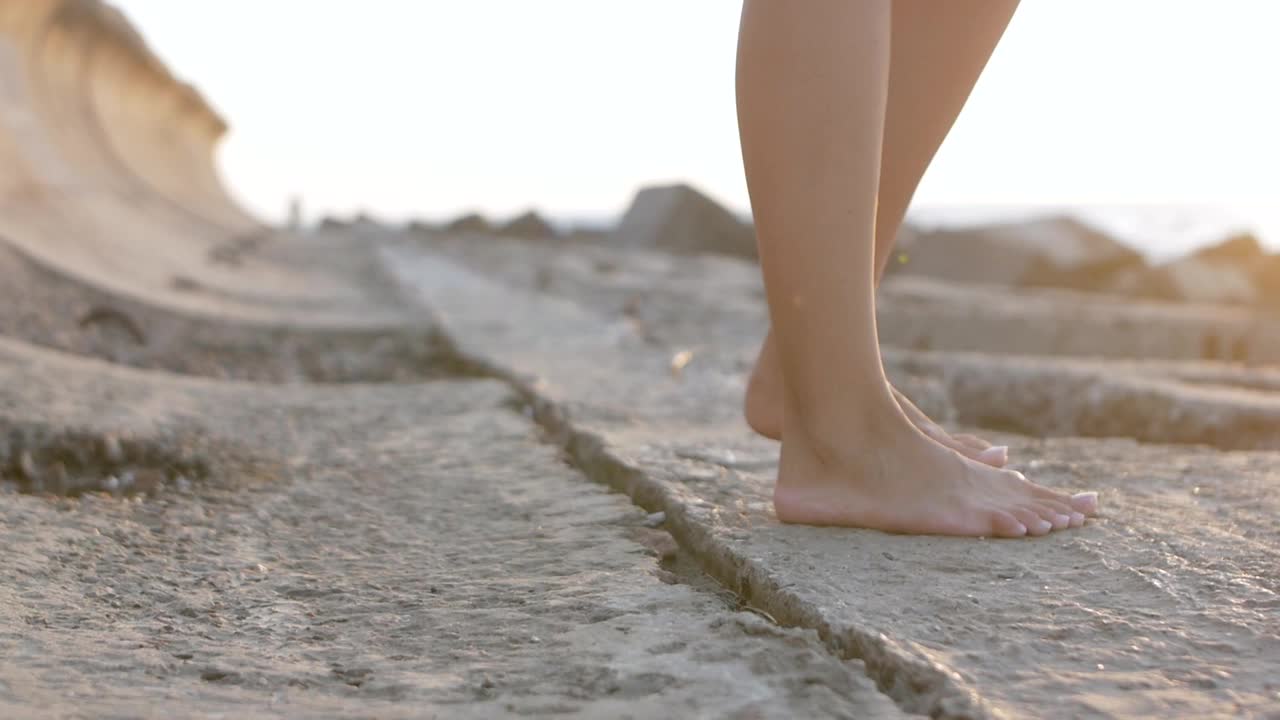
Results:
<point x="362" y="551"/>
<point x="1167" y="607"/>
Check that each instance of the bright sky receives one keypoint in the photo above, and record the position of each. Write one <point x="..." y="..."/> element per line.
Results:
<point x="427" y="108"/>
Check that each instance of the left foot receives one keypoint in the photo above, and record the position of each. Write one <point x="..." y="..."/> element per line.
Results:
<point x="763" y="409"/>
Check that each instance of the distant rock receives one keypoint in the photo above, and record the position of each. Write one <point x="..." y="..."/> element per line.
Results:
<point x="1241" y="248"/>
<point x="1266" y="279"/>
<point x="1192" y="279"/>
<point x="679" y="219"/>
<point x="361" y="222"/>
<point x="1049" y="252"/>
<point x="470" y="223"/>
<point x="1228" y="273"/>
<point x="529" y="225"/>
<point x="419" y="227"/>
<point x="588" y="235"/>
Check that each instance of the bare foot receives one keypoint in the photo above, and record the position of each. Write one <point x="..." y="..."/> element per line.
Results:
<point x="763" y="409"/>
<point x="887" y="475"/>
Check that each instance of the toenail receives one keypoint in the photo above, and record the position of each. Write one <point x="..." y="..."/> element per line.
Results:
<point x="1062" y="520"/>
<point x="1044" y="525"/>
<point x="1089" y="499"/>
<point x="1077" y="518"/>
<point x="995" y="452"/>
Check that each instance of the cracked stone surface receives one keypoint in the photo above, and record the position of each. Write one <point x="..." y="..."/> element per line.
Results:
<point x="1167" y="606"/>
<point x="365" y="551"/>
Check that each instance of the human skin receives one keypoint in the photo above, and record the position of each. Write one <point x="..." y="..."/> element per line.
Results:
<point x="937" y="52"/>
<point x="813" y="92"/>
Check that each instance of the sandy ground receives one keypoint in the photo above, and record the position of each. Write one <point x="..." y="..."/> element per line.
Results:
<point x="1166" y="607"/>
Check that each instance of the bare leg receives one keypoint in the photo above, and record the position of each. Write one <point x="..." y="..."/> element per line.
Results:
<point x="938" y="50"/>
<point x="812" y="94"/>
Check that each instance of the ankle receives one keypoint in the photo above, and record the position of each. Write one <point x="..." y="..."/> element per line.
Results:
<point x="840" y="430"/>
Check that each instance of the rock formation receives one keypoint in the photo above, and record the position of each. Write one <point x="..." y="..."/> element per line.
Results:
<point x="680" y="219"/>
<point x="1049" y="252"/>
<point x="470" y="223"/>
<point x="529" y="225"/>
<point x="106" y="159"/>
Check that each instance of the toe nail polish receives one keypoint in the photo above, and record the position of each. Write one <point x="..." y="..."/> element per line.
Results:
<point x="1089" y="499"/>
<point x="995" y="452"/>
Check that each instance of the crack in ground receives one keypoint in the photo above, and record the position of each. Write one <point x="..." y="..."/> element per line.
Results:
<point x="914" y="683"/>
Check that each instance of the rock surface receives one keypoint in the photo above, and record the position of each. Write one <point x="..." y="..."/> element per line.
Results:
<point x="1049" y="252"/>
<point x="395" y="553"/>
<point x="1193" y="279"/>
<point x="528" y="225"/>
<point x="356" y="474"/>
<point x="678" y="218"/>
<point x="470" y="223"/>
<point x="1127" y="617"/>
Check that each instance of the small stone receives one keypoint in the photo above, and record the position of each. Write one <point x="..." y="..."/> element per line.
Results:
<point x="58" y="482"/>
<point x="147" y="481"/>
<point x="660" y="543"/>
<point x="183" y="484"/>
<point x="112" y="450"/>
<point x="680" y="361"/>
<point x="111" y="484"/>
<point x="27" y="466"/>
<point x="889" y="556"/>
<point x="655" y="520"/>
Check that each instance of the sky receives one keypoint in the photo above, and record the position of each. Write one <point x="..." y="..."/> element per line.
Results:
<point x="428" y="108"/>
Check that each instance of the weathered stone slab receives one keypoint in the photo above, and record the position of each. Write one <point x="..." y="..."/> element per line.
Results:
<point x="1165" y="607"/>
<point x="654" y="288"/>
<point x="364" y="551"/>
<point x="1047" y="252"/>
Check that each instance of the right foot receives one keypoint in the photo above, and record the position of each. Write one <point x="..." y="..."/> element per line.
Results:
<point x="894" y="478"/>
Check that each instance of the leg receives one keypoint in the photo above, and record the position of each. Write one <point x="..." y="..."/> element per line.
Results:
<point x="937" y="52"/>
<point x="812" y="94"/>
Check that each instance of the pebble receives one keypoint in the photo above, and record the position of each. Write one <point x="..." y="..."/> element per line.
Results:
<point x="112" y="450"/>
<point x="146" y="481"/>
<point x="27" y="466"/>
<point x="655" y="520"/>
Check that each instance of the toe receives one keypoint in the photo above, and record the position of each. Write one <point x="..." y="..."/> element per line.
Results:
<point x="1077" y="519"/>
<point x="995" y="456"/>
<point x="1085" y="503"/>
<point x="1035" y="524"/>
<point x="1058" y="520"/>
<point x="1042" y="493"/>
<point x="1004" y="524"/>
<point x="942" y="437"/>
<point x="972" y="441"/>
<point x="1059" y="508"/>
